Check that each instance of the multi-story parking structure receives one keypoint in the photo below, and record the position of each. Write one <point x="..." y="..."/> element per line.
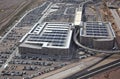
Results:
<point x="52" y="39"/>
<point x="98" y="35"/>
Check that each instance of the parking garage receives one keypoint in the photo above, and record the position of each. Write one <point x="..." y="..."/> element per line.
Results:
<point x="53" y="39"/>
<point x="98" y="35"/>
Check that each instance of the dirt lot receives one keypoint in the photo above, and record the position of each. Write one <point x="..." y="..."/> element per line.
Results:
<point x="110" y="74"/>
<point x="11" y="9"/>
<point x="8" y="6"/>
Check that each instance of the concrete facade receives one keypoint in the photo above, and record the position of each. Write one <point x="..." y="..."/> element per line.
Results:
<point x="52" y="39"/>
<point x="97" y="35"/>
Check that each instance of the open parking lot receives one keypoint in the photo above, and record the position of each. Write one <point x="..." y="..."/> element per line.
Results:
<point x="61" y="12"/>
<point x="30" y="66"/>
<point x="10" y="41"/>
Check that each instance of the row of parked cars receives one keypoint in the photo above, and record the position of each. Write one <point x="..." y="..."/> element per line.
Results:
<point x="13" y="73"/>
<point x="43" y="63"/>
<point x="12" y="40"/>
<point x="45" y="71"/>
<point x="39" y="58"/>
<point x="28" y="57"/>
<point x="85" y="54"/>
<point x="30" y="68"/>
<point x="4" y="56"/>
<point x="33" y="16"/>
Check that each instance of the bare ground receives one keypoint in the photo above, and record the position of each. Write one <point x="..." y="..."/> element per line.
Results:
<point x="110" y="74"/>
<point x="11" y="9"/>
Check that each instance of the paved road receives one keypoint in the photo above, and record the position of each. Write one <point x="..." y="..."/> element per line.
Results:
<point x="100" y="69"/>
<point x="18" y="23"/>
<point x="11" y="29"/>
<point x="65" y="73"/>
<point x="74" y="76"/>
<point x="73" y="70"/>
<point x="46" y="13"/>
<point x="16" y="50"/>
<point x="48" y="7"/>
<point x="8" y="60"/>
<point x="76" y="33"/>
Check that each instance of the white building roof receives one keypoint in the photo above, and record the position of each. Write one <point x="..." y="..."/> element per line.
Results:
<point x="50" y="35"/>
<point x="78" y="17"/>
